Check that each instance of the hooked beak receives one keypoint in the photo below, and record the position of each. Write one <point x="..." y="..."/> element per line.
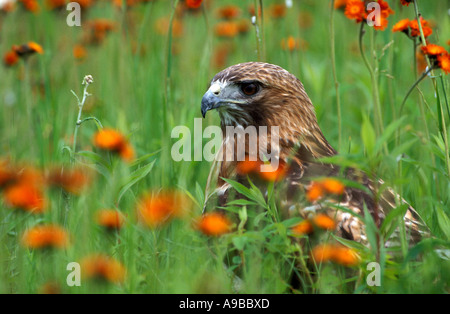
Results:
<point x="210" y="101"/>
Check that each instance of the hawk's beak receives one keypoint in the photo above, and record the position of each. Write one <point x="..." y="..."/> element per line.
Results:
<point x="210" y="101"/>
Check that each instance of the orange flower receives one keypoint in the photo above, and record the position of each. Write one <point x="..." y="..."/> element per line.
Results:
<point x="444" y="62"/>
<point x="84" y="4"/>
<point x="71" y="180"/>
<point x="42" y="237"/>
<point x="314" y="192"/>
<point x="30" y="5"/>
<point x="415" y="31"/>
<point x="7" y="6"/>
<point x="214" y="224"/>
<point x="277" y="11"/>
<point x="324" y="222"/>
<point x="50" y="288"/>
<point x="159" y="208"/>
<point x="99" y="28"/>
<point x="333" y="186"/>
<point x="229" y="12"/>
<point x="355" y="10"/>
<point x="345" y="256"/>
<point x="335" y="253"/>
<point x="401" y="26"/>
<point x="110" y="219"/>
<point x="11" y="58"/>
<point x="55" y="4"/>
<point x="338" y="4"/>
<point x="227" y="29"/>
<point x="79" y="52"/>
<point x="104" y="268"/>
<point x="248" y="166"/>
<point x="406" y="2"/>
<point x="290" y="44"/>
<point x="25" y="196"/>
<point x="304" y="227"/>
<point x="112" y="140"/>
<point x="274" y="174"/>
<point x="7" y="174"/>
<point x="193" y="4"/>
<point x="322" y="253"/>
<point x="433" y="50"/>
<point x="28" y="49"/>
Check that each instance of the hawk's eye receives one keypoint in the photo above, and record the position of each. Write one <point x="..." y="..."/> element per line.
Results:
<point x="249" y="89"/>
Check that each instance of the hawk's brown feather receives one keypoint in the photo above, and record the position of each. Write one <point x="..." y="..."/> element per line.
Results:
<point x="282" y="101"/>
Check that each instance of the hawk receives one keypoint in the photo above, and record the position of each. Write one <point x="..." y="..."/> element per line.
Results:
<point x="261" y="94"/>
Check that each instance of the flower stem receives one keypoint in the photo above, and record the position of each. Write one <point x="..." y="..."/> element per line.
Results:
<point x="375" y="91"/>
<point x="86" y="82"/>
<point x="333" y="66"/>
<point x="424" y="75"/>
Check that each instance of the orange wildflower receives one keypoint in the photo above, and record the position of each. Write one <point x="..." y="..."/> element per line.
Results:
<point x="274" y="174"/>
<point x="70" y="180"/>
<point x="345" y="256"/>
<point x="25" y="196"/>
<point x="28" y="49"/>
<point x="193" y="4"/>
<point x="214" y="224"/>
<point x="333" y="186"/>
<point x="406" y="2"/>
<point x="315" y="192"/>
<point x="248" y="166"/>
<point x="112" y="140"/>
<point x="444" y="62"/>
<point x="42" y="237"/>
<point x="56" y="4"/>
<point x="229" y="12"/>
<point x="104" y="268"/>
<point x="110" y="219"/>
<point x="30" y="5"/>
<point x="335" y="253"/>
<point x="290" y="44"/>
<point x="338" y="4"/>
<point x="422" y="63"/>
<point x="11" y="58"/>
<point x="159" y="208"/>
<point x="79" y="52"/>
<point x="302" y="228"/>
<point x="7" y="174"/>
<point x="415" y="31"/>
<point x="226" y="29"/>
<point x="355" y="10"/>
<point x="84" y="4"/>
<point x="322" y="253"/>
<point x="324" y="222"/>
<point x="50" y="288"/>
<point x="99" y="28"/>
<point x="244" y="26"/>
<point x="277" y="11"/>
<point x="433" y="50"/>
<point x="401" y="26"/>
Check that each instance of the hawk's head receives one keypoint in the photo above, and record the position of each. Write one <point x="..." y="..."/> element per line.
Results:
<point x="262" y="94"/>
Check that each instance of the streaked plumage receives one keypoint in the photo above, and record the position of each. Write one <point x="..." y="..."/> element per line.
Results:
<point x="280" y="100"/>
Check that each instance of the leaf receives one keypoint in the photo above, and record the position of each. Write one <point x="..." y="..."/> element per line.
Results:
<point x="371" y="230"/>
<point x="387" y="133"/>
<point x="134" y="178"/>
<point x="368" y="136"/>
<point x="397" y="212"/>
<point x="443" y="221"/>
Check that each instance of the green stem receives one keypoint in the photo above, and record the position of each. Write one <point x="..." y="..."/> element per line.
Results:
<point x="424" y="75"/>
<point x="333" y="65"/>
<point x="375" y="90"/>
<point x="78" y="123"/>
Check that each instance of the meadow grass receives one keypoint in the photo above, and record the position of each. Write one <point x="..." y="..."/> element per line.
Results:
<point x="146" y="83"/>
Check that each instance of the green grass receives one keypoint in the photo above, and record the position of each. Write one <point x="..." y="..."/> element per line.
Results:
<point x="131" y="92"/>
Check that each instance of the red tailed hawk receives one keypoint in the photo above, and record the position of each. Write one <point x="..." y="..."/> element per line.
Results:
<point x="260" y="94"/>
